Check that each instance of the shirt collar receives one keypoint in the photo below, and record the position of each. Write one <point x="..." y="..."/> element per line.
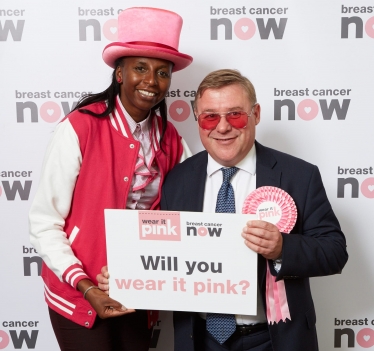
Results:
<point x="247" y="164"/>
<point x="144" y="125"/>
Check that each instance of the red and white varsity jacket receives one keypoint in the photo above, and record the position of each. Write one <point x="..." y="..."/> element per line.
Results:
<point x="88" y="167"/>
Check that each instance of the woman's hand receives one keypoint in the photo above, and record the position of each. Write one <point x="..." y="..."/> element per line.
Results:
<point x="104" y="306"/>
<point x="103" y="279"/>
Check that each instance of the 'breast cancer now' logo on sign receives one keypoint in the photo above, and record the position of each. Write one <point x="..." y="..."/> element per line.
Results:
<point x="11" y="28"/>
<point x="160" y="226"/>
<point x="245" y="28"/>
<point x="91" y="28"/>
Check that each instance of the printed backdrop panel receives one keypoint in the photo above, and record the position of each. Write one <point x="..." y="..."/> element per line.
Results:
<point x="311" y="64"/>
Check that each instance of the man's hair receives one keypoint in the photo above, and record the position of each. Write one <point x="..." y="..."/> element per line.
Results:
<point x="224" y="77"/>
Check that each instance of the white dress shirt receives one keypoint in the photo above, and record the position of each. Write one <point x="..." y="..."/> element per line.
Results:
<point x="243" y="183"/>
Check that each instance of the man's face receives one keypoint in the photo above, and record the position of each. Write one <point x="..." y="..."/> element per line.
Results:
<point x="226" y="144"/>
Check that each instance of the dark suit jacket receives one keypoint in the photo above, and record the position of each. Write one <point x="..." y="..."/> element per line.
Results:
<point x="315" y="247"/>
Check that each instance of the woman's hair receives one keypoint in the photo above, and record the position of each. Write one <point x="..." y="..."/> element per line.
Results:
<point x="109" y="96"/>
<point x="224" y="77"/>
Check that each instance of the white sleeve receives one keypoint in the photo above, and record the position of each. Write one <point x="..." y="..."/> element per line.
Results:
<point x="52" y="202"/>
<point x="186" y="151"/>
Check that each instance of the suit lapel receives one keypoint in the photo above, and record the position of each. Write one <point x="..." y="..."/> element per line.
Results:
<point x="195" y="179"/>
<point x="194" y="184"/>
<point x="266" y="175"/>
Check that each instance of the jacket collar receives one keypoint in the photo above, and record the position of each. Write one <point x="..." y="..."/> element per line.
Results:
<point x="266" y="175"/>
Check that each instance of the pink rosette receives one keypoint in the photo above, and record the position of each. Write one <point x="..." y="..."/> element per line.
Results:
<point x="277" y="196"/>
<point x="284" y="207"/>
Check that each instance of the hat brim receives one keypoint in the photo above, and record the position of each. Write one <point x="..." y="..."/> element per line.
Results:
<point x="116" y="50"/>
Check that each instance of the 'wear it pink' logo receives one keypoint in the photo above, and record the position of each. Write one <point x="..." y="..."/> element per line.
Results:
<point x="159" y="226"/>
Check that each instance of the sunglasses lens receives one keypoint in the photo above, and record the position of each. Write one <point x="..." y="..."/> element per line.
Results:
<point x="209" y="121"/>
<point x="237" y="119"/>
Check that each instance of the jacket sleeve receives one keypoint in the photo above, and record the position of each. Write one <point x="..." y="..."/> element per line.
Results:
<point x="319" y="246"/>
<point x="52" y="202"/>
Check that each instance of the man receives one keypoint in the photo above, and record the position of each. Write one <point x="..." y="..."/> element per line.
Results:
<point x="227" y="114"/>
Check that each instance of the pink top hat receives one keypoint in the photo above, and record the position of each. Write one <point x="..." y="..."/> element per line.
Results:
<point x="148" y="32"/>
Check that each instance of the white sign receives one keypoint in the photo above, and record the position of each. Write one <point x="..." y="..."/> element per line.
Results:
<point x="181" y="261"/>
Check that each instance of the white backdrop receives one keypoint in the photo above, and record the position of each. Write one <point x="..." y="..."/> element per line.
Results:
<point x="313" y="58"/>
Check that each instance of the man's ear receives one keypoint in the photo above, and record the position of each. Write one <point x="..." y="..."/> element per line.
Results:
<point x="257" y="113"/>
<point x="195" y="113"/>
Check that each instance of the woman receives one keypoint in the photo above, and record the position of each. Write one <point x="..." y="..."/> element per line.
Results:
<point x="112" y="151"/>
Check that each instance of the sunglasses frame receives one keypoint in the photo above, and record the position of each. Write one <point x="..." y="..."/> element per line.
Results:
<point x="224" y="114"/>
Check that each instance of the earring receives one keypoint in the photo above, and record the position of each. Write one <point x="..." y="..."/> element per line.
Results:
<point x="119" y="80"/>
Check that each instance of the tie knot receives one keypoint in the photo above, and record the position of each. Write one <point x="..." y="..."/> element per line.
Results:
<point x="228" y="173"/>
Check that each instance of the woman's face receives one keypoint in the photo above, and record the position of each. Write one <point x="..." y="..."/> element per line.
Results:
<point x="145" y="82"/>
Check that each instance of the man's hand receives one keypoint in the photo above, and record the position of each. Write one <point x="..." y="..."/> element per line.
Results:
<point x="103" y="279"/>
<point x="263" y="238"/>
<point x="104" y="306"/>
